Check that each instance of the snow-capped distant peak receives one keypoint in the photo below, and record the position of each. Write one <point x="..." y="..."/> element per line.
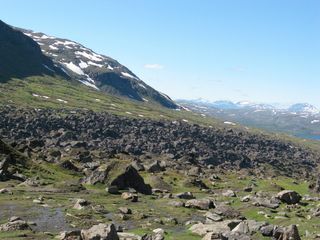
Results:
<point x="246" y="103"/>
<point x="304" y="108"/>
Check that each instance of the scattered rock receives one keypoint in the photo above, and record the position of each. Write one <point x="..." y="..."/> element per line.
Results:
<point x="216" y="228"/>
<point x="267" y="230"/>
<point x="246" y="198"/>
<point x="203" y="204"/>
<point x="154" y="167"/>
<point x="128" y="236"/>
<point x="264" y="202"/>
<point x="81" y="204"/>
<point x="100" y="232"/>
<point x="185" y="195"/>
<point x="125" y="210"/>
<point x="14" y="224"/>
<point x="213" y="217"/>
<point x="137" y="165"/>
<point x="70" y="235"/>
<point x="176" y="204"/>
<point x="130" y="196"/>
<point x="5" y="190"/>
<point x="228" y="193"/>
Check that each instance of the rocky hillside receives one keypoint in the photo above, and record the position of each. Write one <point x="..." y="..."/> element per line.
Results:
<point x="96" y="70"/>
<point x="21" y="57"/>
<point x="184" y="144"/>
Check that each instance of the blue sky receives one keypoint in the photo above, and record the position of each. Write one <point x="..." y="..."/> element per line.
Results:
<point x="258" y="50"/>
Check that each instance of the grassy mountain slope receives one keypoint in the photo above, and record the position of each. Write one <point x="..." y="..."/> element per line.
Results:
<point x="44" y="92"/>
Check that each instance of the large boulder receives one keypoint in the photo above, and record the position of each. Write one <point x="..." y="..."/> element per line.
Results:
<point x="291" y="233"/>
<point x="265" y="202"/>
<point x="203" y="204"/>
<point x="289" y="196"/>
<point x="100" y="232"/>
<point x="131" y="179"/>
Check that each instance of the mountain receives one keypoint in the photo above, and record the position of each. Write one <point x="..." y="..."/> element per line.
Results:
<point x="301" y="119"/>
<point x="24" y="53"/>
<point x="96" y="70"/>
<point x="304" y="108"/>
<point x="20" y="56"/>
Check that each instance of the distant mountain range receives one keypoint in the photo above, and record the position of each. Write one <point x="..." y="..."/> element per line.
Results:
<point x="25" y="53"/>
<point x="300" y="119"/>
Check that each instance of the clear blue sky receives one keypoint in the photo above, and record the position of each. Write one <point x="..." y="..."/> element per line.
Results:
<point x="258" y="50"/>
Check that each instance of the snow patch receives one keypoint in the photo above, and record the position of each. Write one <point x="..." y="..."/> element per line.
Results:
<point x="74" y="68"/>
<point x="141" y="85"/>
<point x="89" y="84"/>
<point x="83" y="64"/>
<point x="128" y="75"/>
<point x="92" y="56"/>
<point x="315" y="121"/>
<point x="46" y="37"/>
<point x="61" y="100"/>
<point x="95" y="64"/>
<point x="164" y="95"/>
<point x="53" y="47"/>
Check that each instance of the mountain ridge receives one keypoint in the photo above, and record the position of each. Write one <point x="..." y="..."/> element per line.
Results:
<point x="95" y="70"/>
<point x="227" y="104"/>
<point x="301" y="120"/>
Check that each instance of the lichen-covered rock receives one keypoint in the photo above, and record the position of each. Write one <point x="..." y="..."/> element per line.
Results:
<point x="100" y="232"/>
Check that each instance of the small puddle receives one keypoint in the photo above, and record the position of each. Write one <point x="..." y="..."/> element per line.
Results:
<point x="47" y="219"/>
